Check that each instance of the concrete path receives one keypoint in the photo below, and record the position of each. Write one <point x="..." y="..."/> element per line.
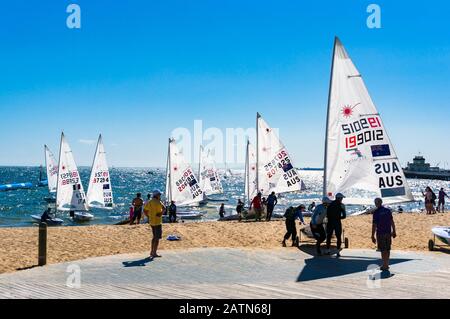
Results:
<point x="236" y="273"/>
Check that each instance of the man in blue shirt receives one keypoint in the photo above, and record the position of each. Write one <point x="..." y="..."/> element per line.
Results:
<point x="317" y="229"/>
<point x="384" y="227"/>
<point x="271" y="202"/>
<point x="291" y="215"/>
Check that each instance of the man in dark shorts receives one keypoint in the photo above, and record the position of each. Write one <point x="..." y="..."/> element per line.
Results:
<point x="384" y="227"/>
<point x="172" y="212"/>
<point x="441" y="200"/>
<point x="291" y="215"/>
<point x="335" y="213"/>
<point x="317" y="229"/>
<point x="271" y="202"/>
<point x="138" y="205"/>
<point x="154" y="210"/>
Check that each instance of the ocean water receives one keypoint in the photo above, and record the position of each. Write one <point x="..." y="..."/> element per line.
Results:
<point x="17" y="206"/>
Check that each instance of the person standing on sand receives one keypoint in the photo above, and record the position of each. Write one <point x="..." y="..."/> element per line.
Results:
<point x="240" y="209"/>
<point x="335" y="213"/>
<point x="441" y="200"/>
<point x="291" y="215"/>
<point x="138" y="204"/>
<point x="172" y="212"/>
<point x="430" y="199"/>
<point x="257" y="206"/>
<point x="154" y="211"/>
<point x="317" y="229"/>
<point x="384" y="227"/>
<point x="271" y="202"/>
<point x="222" y="211"/>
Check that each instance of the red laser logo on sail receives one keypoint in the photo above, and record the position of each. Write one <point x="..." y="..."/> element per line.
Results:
<point x="347" y="110"/>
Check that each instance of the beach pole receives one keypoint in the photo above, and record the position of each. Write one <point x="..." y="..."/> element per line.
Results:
<point x="42" y="255"/>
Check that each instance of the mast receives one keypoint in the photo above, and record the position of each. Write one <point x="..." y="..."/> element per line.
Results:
<point x="200" y="162"/>
<point x="246" y="178"/>
<point x="168" y="174"/>
<point x="59" y="167"/>
<point x="92" y="171"/>
<point x="257" y="152"/>
<point x="336" y="39"/>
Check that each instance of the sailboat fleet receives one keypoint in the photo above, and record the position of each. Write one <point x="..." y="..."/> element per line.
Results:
<point x="360" y="160"/>
<point x="64" y="181"/>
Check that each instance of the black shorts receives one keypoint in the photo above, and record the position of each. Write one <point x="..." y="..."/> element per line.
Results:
<point x="157" y="232"/>
<point x="384" y="242"/>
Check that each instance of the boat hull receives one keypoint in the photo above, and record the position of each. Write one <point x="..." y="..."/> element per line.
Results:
<point x="49" y="222"/>
<point x="83" y="216"/>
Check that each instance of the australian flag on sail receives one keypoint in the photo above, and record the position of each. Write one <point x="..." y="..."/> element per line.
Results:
<point x="381" y="150"/>
<point x="192" y="182"/>
<point x="105" y="186"/>
<point x="287" y="167"/>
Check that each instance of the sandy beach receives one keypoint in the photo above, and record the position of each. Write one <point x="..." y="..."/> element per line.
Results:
<point x="19" y="245"/>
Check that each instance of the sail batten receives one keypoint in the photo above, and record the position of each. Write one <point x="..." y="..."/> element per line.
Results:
<point x="99" y="193"/>
<point x="360" y="160"/>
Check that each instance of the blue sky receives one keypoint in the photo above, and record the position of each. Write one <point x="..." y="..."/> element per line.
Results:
<point x="138" y="69"/>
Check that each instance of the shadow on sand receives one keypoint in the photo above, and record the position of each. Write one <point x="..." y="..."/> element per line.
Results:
<point x="137" y="263"/>
<point x="326" y="266"/>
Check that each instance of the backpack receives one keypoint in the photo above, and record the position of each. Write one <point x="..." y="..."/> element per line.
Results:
<point x="289" y="213"/>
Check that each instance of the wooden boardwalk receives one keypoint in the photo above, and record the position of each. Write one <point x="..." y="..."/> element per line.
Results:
<point x="236" y="273"/>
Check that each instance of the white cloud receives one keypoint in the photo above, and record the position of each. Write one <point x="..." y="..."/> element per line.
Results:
<point x="87" y="142"/>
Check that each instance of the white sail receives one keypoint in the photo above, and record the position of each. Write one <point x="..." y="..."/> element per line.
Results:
<point x="209" y="177"/>
<point x="99" y="192"/>
<point x="70" y="193"/>
<point x="250" y="173"/>
<point x="275" y="170"/>
<point x="183" y="186"/>
<point x="360" y="160"/>
<point x="52" y="170"/>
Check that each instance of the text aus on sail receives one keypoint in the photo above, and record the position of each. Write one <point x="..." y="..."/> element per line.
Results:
<point x="369" y="131"/>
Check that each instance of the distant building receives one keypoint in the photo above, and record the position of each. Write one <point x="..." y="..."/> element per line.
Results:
<point x="421" y="169"/>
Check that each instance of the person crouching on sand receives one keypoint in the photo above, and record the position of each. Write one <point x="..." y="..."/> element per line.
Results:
<point x="317" y="229"/>
<point x="384" y="227"/>
<point x="291" y="215"/>
<point x="154" y="211"/>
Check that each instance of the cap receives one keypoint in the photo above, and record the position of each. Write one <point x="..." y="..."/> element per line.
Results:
<point x="326" y="200"/>
<point x="339" y="195"/>
<point x="156" y="193"/>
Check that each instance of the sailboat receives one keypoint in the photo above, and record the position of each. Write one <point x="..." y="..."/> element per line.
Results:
<point x="209" y="177"/>
<point x="182" y="185"/>
<point x="360" y="160"/>
<point x="275" y="171"/>
<point x="52" y="174"/>
<point x="99" y="194"/>
<point x="70" y="194"/>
